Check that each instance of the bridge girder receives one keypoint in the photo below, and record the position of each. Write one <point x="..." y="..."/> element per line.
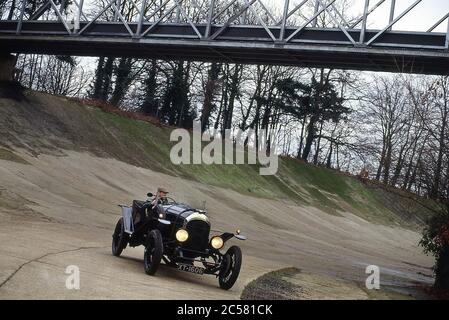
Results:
<point x="239" y="31"/>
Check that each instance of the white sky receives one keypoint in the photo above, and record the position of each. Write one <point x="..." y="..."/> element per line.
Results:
<point x="421" y="18"/>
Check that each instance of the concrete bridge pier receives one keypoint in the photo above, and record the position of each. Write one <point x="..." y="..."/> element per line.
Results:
<point x="7" y="67"/>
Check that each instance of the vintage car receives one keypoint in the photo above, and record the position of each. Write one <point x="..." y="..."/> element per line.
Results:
<point x="180" y="236"/>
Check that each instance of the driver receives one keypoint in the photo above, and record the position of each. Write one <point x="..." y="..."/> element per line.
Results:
<point x="160" y="198"/>
<point x="140" y="207"/>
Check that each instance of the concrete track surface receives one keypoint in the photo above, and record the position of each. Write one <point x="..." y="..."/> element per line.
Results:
<point x="58" y="211"/>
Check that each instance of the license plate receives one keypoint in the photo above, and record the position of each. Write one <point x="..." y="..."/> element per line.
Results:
<point x="190" y="268"/>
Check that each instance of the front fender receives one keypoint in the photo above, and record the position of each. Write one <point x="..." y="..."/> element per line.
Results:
<point x="227" y="236"/>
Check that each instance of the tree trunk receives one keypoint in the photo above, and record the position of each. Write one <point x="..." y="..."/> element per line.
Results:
<point x="267" y="114"/>
<point x="397" y="170"/>
<point x="309" y="139"/>
<point x="387" y="162"/>
<point x="447" y="183"/>
<point x="257" y="93"/>
<point x="317" y="149"/>
<point x="405" y="147"/>
<point x="329" y="157"/>
<point x="209" y="93"/>
<point x="229" y="111"/>
<point x="98" y="84"/>
<point x="435" y="192"/>
<point x="149" y="105"/>
<point x="107" y="75"/>
<point x="410" y="165"/>
<point x="122" y="80"/>
<point x="301" y="139"/>
<point x="381" y="164"/>
<point x="417" y="164"/>
<point x="311" y="129"/>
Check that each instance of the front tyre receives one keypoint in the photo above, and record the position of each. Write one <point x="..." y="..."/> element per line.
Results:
<point x="153" y="252"/>
<point x="231" y="268"/>
<point x="119" y="238"/>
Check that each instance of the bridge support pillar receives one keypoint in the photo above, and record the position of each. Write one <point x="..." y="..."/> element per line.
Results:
<point x="7" y="67"/>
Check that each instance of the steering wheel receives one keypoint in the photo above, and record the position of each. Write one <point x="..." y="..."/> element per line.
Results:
<point x="170" y="200"/>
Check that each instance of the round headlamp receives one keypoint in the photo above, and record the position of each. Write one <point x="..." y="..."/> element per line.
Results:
<point x="217" y="242"/>
<point x="182" y="235"/>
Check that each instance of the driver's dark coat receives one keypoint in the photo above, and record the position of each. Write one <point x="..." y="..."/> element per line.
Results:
<point x="141" y="209"/>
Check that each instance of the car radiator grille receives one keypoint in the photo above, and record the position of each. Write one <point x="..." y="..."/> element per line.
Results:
<point x="198" y="235"/>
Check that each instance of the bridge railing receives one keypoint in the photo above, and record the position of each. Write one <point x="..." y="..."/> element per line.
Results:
<point x="279" y="21"/>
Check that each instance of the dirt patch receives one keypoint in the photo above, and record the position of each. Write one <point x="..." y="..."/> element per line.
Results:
<point x="292" y="284"/>
<point x="273" y="286"/>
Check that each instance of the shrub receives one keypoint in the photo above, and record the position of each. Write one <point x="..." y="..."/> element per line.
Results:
<point x="435" y="241"/>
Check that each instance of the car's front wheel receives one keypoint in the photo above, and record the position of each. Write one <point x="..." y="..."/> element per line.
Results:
<point x="119" y="238"/>
<point x="153" y="252"/>
<point x="232" y="261"/>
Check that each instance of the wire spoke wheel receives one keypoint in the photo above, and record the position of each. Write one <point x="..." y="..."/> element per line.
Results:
<point x="153" y="252"/>
<point x="119" y="238"/>
<point x="230" y="271"/>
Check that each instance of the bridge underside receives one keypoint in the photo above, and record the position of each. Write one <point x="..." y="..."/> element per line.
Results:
<point x="394" y="52"/>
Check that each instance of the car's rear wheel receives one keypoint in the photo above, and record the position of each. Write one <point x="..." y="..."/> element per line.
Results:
<point x="153" y="252"/>
<point x="119" y="238"/>
<point x="230" y="268"/>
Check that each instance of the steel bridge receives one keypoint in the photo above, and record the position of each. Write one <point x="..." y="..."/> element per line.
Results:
<point x="306" y="33"/>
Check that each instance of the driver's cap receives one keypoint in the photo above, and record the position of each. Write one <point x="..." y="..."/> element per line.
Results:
<point x="160" y="189"/>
